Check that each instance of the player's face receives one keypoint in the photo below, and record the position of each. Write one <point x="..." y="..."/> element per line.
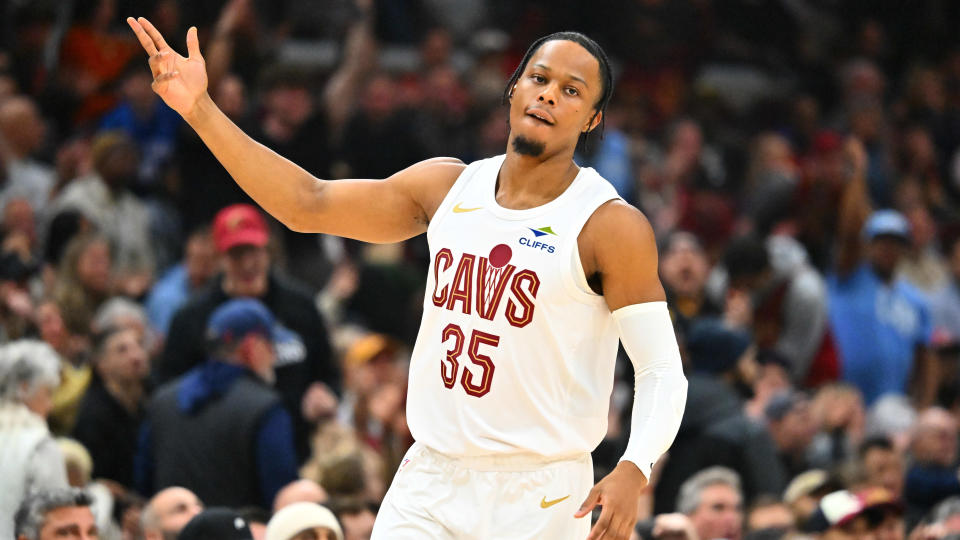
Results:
<point x="554" y="98"/>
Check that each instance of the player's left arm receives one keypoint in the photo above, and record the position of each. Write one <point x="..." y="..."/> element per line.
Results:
<point x="617" y="245"/>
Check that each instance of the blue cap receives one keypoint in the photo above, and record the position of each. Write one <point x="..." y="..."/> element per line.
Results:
<point x="887" y="223"/>
<point x="237" y="318"/>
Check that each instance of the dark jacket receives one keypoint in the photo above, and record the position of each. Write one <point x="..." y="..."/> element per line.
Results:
<point x="109" y="432"/>
<point x="298" y="364"/>
<point x="221" y="432"/>
<point x="715" y="431"/>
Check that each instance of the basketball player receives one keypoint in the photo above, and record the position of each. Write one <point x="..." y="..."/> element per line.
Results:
<point x="537" y="268"/>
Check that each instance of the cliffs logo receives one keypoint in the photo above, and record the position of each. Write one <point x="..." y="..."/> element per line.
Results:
<point x="534" y="243"/>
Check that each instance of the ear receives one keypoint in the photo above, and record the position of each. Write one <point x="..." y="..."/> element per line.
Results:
<point x="512" y="90"/>
<point x="593" y="123"/>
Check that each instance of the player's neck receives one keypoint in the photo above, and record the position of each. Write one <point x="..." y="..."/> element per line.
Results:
<point x="528" y="182"/>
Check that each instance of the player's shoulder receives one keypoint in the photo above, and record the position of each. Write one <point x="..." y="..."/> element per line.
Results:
<point x="617" y="233"/>
<point x="437" y="168"/>
<point x="616" y="218"/>
<point x="427" y="182"/>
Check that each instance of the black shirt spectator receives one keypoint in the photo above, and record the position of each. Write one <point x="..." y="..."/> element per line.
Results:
<point x="240" y="234"/>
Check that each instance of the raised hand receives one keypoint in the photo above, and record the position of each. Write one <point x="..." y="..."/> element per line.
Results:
<point x="180" y="82"/>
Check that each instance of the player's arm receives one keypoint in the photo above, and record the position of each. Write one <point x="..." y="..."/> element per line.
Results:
<point x="618" y="246"/>
<point x="388" y="210"/>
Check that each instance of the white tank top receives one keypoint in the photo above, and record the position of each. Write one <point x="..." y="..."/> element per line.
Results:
<point x="515" y="354"/>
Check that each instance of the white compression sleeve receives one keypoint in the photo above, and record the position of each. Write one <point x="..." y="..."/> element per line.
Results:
<point x="660" y="388"/>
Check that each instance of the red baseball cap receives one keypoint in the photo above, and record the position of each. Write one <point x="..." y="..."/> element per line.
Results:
<point x="239" y="225"/>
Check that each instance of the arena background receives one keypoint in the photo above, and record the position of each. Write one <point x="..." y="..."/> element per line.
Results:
<point x="760" y="138"/>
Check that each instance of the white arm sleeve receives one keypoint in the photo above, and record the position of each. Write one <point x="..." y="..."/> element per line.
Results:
<point x="660" y="391"/>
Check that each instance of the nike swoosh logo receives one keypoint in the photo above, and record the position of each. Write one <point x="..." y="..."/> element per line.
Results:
<point x="547" y="504"/>
<point x="458" y="210"/>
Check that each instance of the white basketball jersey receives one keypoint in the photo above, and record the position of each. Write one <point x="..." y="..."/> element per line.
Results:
<point x="514" y="354"/>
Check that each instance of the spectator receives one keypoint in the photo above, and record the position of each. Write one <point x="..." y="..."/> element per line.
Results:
<point x="121" y="312"/>
<point x="839" y="414"/>
<point x="773" y="378"/>
<point x="933" y="474"/>
<point x="882" y="465"/>
<point x="684" y="268"/>
<point x="257" y="519"/>
<point x="923" y="266"/>
<point x="240" y="235"/>
<point x="792" y="427"/>
<point x="217" y="524"/>
<point x="56" y="513"/>
<point x="715" y="430"/>
<point x="356" y="518"/>
<point x="304" y="521"/>
<point x="945" y="302"/>
<point x="104" y="198"/>
<point x="79" y="475"/>
<point x="804" y="492"/>
<point x="871" y="513"/>
<point x="298" y="491"/>
<point x="168" y="512"/>
<point x="892" y="416"/>
<point x="22" y="133"/>
<point x="769" y="513"/>
<point x="785" y="298"/>
<point x="947" y="515"/>
<point x="29" y="457"/>
<point x="92" y="58"/>
<point x="179" y="283"/>
<point x="84" y="281"/>
<point x="148" y="121"/>
<point x="225" y="402"/>
<point x="75" y="371"/>
<point x="714" y="503"/>
<point x="112" y="410"/>
<point x="882" y="325"/>
<point x="378" y="139"/>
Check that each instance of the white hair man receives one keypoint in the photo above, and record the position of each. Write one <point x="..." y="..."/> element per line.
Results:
<point x="29" y="457"/>
<point x="713" y="501"/>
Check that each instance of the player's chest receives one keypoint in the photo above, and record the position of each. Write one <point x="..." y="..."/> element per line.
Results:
<point x="494" y="268"/>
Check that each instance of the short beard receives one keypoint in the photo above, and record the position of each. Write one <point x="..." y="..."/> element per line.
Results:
<point x="528" y="147"/>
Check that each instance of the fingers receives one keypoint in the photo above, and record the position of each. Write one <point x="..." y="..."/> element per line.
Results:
<point x="601" y="529"/>
<point x="145" y="41"/>
<point x="161" y="80"/>
<point x="153" y="33"/>
<point x="193" y="44"/>
<point x="162" y="62"/>
<point x="593" y="498"/>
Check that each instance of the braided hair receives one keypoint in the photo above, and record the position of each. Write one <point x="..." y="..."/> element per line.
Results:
<point x="606" y="73"/>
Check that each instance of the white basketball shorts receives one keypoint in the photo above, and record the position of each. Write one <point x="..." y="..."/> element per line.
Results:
<point x="439" y="497"/>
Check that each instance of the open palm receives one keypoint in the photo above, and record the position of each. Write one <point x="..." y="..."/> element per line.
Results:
<point x="179" y="81"/>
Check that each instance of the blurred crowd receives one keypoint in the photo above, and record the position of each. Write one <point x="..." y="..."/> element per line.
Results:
<point x="169" y="351"/>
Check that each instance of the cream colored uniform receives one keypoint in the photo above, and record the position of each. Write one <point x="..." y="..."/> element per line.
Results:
<point x="512" y="371"/>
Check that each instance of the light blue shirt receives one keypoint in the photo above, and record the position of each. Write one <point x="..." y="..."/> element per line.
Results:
<point x="167" y="296"/>
<point x="877" y="328"/>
